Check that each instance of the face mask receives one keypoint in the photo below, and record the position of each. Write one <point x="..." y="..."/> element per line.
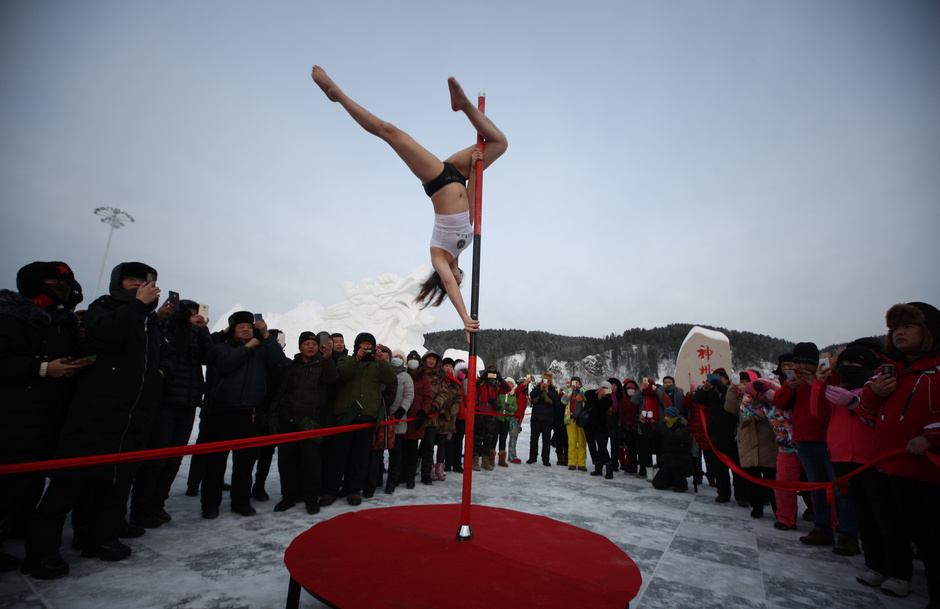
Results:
<point x="397" y="362"/>
<point x="413" y="364"/>
<point x="854" y="377"/>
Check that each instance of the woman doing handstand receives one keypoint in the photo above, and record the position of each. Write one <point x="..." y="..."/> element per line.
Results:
<point x="444" y="181"/>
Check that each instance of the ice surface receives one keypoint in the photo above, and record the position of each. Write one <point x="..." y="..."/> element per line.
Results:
<point x="691" y="551"/>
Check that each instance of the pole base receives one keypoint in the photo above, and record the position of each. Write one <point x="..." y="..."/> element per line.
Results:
<point x="464" y="533"/>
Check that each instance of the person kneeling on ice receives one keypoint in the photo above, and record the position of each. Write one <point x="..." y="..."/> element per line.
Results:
<point x="676" y="462"/>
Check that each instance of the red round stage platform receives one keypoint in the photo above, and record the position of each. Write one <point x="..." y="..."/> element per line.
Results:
<point x="409" y="557"/>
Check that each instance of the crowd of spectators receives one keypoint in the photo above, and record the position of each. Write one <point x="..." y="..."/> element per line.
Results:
<point x="127" y="374"/>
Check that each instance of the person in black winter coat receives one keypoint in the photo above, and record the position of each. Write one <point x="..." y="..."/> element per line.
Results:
<point x="301" y="404"/>
<point x="239" y="367"/>
<point x="111" y="413"/>
<point x="599" y="404"/>
<point x="675" y="461"/>
<point x="187" y="332"/>
<point x="721" y="427"/>
<point x="543" y="398"/>
<point x="38" y="333"/>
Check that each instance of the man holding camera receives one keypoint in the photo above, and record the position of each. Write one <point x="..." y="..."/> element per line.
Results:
<point x="361" y="378"/>
<point x="239" y="368"/>
<point x="300" y="404"/>
<point x="489" y="386"/>
<point x="543" y="396"/>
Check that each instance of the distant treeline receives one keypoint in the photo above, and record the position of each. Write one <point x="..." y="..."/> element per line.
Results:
<point x="634" y="354"/>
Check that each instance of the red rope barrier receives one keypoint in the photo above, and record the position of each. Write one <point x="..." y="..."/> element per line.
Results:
<point x="788" y="485"/>
<point x="191" y="449"/>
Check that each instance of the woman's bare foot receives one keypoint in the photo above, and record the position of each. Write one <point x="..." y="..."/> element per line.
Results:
<point x="326" y="83"/>
<point x="458" y="99"/>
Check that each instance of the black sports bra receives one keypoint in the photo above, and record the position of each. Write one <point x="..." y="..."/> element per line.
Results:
<point x="448" y="176"/>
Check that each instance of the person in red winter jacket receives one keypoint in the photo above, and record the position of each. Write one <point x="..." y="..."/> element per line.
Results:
<point x="809" y="433"/>
<point x="904" y="401"/>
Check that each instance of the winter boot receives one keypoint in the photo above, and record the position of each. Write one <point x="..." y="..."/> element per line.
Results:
<point x="489" y="461"/>
<point x="597" y="469"/>
<point x="476" y="463"/>
<point x="609" y="469"/>
<point x="440" y="472"/>
<point x="846" y="546"/>
<point x="818" y="537"/>
<point x="257" y="492"/>
<point x="502" y="459"/>
<point x="391" y="481"/>
<point x="434" y="475"/>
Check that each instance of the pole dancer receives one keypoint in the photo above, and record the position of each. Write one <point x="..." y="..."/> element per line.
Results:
<point x="445" y="182"/>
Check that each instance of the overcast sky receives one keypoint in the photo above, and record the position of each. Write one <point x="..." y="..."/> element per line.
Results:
<point x="761" y="166"/>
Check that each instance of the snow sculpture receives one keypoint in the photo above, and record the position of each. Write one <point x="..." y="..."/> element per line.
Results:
<point x="384" y="306"/>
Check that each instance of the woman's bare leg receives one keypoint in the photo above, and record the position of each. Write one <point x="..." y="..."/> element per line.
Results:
<point x="495" y="142"/>
<point x="419" y="160"/>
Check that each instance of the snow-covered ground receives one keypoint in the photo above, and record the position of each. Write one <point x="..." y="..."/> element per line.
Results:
<point x="692" y="552"/>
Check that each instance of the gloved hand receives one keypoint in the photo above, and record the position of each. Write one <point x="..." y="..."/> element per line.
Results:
<point x="758" y="387"/>
<point x="838" y="395"/>
<point x="420" y="418"/>
<point x="400" y="413"/>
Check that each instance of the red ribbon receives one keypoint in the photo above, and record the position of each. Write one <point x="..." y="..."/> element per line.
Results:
<point x="179" y="451"/>
<point x="789" y="485"/>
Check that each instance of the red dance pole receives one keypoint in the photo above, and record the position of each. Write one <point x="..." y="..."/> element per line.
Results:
<point x="464" y="533"/>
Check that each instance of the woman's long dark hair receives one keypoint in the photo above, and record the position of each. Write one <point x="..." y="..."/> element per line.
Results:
<point x="432" y="292"/>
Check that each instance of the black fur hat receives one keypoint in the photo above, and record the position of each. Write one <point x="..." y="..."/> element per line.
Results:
<point x="240" y="317"/>
<point x="30" y="281"/>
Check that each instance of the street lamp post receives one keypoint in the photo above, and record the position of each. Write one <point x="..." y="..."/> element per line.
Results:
<point x="116" y="218"/>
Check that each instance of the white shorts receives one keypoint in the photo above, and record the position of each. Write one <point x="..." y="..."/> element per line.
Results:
<point x="452" y="233"/>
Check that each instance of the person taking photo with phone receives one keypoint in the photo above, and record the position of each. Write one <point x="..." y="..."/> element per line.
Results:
<point x="111" y="413"/>
<point x="360" y="379"/>
<point x="38" y="368"/>
<point x="903" y="400"/>
<point x="239" y="369"/>
<point x="808" y="431"/>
